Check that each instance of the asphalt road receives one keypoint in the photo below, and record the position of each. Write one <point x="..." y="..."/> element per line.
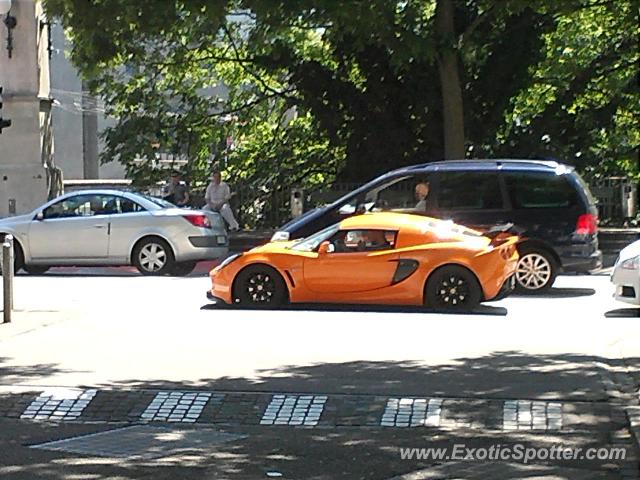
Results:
<point x="133" y="330"/>
<point x="111" y="329"/>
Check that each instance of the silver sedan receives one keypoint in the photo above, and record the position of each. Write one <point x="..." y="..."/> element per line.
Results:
<point x="112" y="227"/>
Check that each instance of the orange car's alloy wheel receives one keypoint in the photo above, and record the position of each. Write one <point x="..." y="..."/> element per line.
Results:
<point x="453" y="288"/>
<point x="453" y="291"/>
<point x="259" y="286"/>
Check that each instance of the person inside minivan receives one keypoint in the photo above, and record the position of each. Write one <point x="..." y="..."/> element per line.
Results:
<point x="422" y="191"/>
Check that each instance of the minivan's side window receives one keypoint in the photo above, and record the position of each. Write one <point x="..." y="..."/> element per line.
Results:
<point x="403" y="194"/>
<point x="396" y="194"/>
<point x="469" y="191"/>
<point x="540" y="190"/>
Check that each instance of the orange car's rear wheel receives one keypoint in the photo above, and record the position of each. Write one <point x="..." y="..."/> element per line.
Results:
<point x="453" y="287"/>
<point x="259" y="286"/>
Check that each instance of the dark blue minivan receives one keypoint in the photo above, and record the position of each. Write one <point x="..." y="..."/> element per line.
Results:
<point x="547" y="202"/>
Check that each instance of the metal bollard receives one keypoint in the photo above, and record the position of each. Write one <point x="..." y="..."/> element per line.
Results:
<point x="7" y="277"/>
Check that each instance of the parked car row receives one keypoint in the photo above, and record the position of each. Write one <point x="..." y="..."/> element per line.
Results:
<point x="447" y="234"/>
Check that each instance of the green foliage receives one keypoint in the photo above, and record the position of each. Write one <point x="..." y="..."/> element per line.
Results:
<point x="582" y="103"/>
<point x="281" y="93"/>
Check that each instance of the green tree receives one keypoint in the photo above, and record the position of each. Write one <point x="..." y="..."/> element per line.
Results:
<point x="582" y="100"/>
<point x="375" y="84"/>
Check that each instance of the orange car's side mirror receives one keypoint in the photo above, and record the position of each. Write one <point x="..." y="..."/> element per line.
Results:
<point x="326" y="247"/>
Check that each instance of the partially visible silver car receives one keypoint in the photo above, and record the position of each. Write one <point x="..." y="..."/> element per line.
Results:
<point x="626" y="274"/>
<point x="113" y="227"/>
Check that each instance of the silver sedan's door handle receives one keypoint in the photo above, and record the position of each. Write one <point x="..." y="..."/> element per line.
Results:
<point x="99" y="226"/>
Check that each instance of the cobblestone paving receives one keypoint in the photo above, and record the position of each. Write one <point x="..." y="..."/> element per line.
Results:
<point x="178" y="406"/>
<point x="294" y="410"/>
<point x="307" y="410"/>
<point x="414" y="412"/>
<point x="59" y="404"/>
<point x="531" y="415"/>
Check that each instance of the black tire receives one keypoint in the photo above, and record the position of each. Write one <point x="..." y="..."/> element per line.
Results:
<point x="35" y="269"/>
<point x="453" y="287"/>
<point x="259" y="286"/>
<point x="153" y="256"/>
<point x="182" y="269"/>
<point x="537" y="270"/>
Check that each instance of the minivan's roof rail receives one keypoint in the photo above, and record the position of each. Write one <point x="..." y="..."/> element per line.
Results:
<point x="551" y="164"/>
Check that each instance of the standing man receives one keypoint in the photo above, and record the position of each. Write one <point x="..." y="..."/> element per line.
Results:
<point x="217" y="197"/>
<point x="176" y="190"/>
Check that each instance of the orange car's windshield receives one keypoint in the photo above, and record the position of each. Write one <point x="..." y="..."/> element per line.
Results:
<point x="312" y="242"/>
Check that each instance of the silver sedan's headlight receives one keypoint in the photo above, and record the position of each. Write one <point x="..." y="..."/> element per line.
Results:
<point x="631" y="263"/>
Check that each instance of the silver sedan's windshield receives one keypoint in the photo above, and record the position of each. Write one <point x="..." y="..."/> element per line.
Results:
<point x="312" y="242"/>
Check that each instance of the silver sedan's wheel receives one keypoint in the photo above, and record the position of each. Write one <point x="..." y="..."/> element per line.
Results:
<point x="153" y="257"/>
<point x="535" y="272"/>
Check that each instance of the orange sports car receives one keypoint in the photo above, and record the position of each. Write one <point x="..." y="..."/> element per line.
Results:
<point x="376" y="258"/>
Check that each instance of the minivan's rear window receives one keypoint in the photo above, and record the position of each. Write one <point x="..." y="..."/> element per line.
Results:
<point x="540" y="190"/>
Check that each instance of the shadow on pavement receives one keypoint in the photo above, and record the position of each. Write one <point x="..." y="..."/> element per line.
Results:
<point x="501" y="375"/>
<point x="623" y="313"/>
<point x="67" y="274"/>
<point x="201" y="270"/>
<point x="292" y="453"/>
<point x="557" y="292"/>
<point x="12" y="375"/>
<point x="324" y="307"/>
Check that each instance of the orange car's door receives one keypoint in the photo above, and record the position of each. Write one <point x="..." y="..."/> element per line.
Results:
<point x="350" y="272"/>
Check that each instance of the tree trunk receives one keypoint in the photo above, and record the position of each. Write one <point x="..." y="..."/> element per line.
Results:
<point x="453" y="112"/>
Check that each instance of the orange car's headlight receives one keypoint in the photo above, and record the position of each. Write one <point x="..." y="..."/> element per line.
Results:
<point x="227" y="261"/>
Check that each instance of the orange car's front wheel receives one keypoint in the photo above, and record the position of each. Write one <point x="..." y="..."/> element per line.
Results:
<point x="453" y="287"/>
<point x="259" y="286"/>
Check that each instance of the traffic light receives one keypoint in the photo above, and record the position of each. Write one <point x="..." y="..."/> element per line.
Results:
<point x="4" y="123"/>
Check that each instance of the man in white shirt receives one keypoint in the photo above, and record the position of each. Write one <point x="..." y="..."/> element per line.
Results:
<point x="217" y="197"/>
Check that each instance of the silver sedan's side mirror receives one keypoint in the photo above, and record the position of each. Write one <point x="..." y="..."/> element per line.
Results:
<point x="39" y="216"/>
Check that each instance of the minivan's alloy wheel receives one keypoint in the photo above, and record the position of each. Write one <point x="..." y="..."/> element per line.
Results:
<point x="259" y="286"/>
<point x="153" y="257"/>
<point x="535" y="271"/>
<point x="453" y="288"/>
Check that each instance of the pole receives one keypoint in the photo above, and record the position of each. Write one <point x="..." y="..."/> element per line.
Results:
<point x="7" y="277"/>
